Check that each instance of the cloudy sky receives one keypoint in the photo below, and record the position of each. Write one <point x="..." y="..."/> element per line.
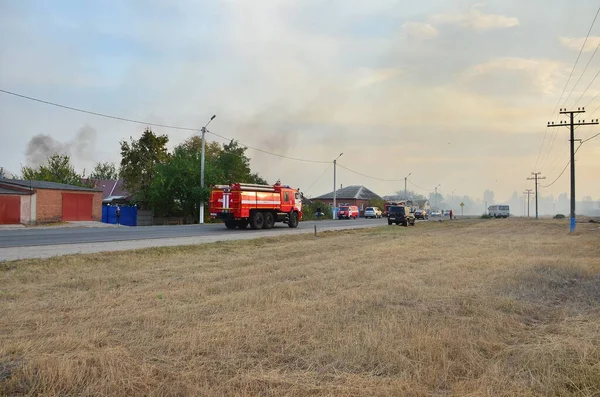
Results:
<point x="455" y="92"/>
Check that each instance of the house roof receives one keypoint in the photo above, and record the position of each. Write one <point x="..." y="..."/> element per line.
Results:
<point x="110" y="187"/>
<point x="44" y="185"/>
<point x="8" y="190"/>
<point x="421" y="203"/>
<point x="351" y="193"/>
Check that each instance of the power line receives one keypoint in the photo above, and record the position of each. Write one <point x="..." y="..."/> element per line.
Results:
<point x="562" y="172"/>
<point x="153" y="125"/>
<point x="320" y="176"/>
<point x="581" y="75"/>
<point x="589" y="139"/>
<point x="369" y="176"/>
<point x="579" y="55"/>
<point x="565" y="87"/>
<point x="422" y="188"/>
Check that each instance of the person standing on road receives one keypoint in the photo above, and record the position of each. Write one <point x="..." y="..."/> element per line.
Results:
<point x="450" y="214"/>
<point x="118" y="214"/>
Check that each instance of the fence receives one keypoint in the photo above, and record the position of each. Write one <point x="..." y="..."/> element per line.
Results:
<point x="128" y="215"/>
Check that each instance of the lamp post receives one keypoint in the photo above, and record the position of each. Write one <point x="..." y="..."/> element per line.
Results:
<point x="405" y="191"/>
<point x="201" y="216"/>
<point x="335" y="186"/>
<point x="435" y="195"/>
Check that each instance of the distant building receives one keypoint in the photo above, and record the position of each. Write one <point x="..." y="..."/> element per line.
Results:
<point x="113" y="191"/>
<point x="350" y="195"/>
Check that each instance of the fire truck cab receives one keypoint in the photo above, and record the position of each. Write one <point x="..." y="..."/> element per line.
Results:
<point x="260" y="206"/>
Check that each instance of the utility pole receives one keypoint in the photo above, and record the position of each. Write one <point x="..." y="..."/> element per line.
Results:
<point x="406" y="191"/>
<point x="572" y="126"/>
<point x="201" y="215"/>
<point x="528" y="193"/>
<point x="335" y="186"/>
<point x="536" y="177"/>
<point x="435" y="197"/>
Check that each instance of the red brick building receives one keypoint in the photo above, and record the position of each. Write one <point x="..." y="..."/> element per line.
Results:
<point x="29" y="202"/>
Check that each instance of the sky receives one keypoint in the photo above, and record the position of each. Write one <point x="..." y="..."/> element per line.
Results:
<point x="455" y="93"/>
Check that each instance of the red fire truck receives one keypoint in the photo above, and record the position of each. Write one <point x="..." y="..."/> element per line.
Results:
<point x="260" y="206"/>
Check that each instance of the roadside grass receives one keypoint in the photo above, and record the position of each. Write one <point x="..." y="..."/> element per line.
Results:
<point x="468" y="307"/>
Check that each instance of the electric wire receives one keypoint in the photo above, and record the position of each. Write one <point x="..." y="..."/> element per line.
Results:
<point x="320" y="176"/>
<point x="563" y="171"/>
<point x="581" y="75"/>
<point x="565" y="87"/>
<point x="154" y="125"/>
<point x="369" y="176"/>
<point x="422" y="188"/>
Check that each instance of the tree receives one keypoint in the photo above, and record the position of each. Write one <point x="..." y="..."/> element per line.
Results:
<point x="139" y="160"/>
<point x="236" y="166"/>
<point x="488" y="196"/>
<point x="175" y="189"/>
<point x="58" y="169"/>
<point x="105" y="171"/>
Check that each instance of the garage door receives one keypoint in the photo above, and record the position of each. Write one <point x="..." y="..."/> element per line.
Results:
<point x="10" y="210"/>
<point x="77" y="207"/>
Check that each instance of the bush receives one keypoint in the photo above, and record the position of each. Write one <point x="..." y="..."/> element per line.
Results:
<point x="309" y="211"/>
<point x="559" y="216"/>
<point x="486" y="216"/>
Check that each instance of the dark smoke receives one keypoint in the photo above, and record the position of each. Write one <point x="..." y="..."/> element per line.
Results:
<point x="41" y="146"/>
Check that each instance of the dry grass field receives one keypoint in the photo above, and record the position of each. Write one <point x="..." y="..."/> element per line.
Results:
<point x="462" y="308"/>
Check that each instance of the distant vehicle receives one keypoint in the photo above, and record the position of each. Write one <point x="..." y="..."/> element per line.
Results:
<point x="499" y="211"/>
<point x="401" y="215"/>
<point x="387" y="205"/>
<point x="446" y="212"/>
<point x="348" y="212"/>
<point x="421" y="214"/>
<point x="373" y="212"/>
<point x="436" y="213"/>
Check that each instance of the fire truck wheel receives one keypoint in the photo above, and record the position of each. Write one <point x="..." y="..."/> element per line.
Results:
<point x="257" y="220"/>
<point x="293" y="220"/>
<point x="230" y="224"/>
<point x="269" y="220"/>
<point x="242" y="223"/>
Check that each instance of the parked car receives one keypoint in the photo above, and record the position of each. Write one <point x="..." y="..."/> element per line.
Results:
<point x="401" y="215"/>
<point x="347" y="212"/>
<point x="436" y="213"/>
<point x="421" y="214"/>
<point x="373" y="212"/>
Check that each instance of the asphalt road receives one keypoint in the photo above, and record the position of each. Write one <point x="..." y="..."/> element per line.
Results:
<point x="30" y="237"/>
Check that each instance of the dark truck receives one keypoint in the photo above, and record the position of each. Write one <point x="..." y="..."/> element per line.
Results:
<point x="401" y="215"/>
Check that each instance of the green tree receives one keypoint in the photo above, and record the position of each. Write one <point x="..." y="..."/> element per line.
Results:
<point x="175" y="189"/>
<point x="235" y="165"/>
<point x="139" y="160"/>
<point x="57" y="169"/>
<point x="105" y="170"/>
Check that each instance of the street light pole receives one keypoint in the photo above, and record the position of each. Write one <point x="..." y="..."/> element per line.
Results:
<point x="435" y="196"/>
<point x="335" y="186"/>
<point x="405" y="191"/>
<point x="201" y="216"/>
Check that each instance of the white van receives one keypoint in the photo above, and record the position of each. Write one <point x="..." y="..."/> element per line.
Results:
<point x="499" y="211"/>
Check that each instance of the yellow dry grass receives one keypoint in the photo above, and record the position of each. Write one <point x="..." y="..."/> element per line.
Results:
<point x="464" y="308"/>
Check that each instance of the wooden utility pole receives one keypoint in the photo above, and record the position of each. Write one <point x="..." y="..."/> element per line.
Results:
<point x="528" y="193"/>
<point x="572" y="124"/>
<point x="536" y="177"/>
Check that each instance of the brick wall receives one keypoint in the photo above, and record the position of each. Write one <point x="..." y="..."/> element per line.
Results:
<point x="340" y="201"/>
<point x="49" y="205"/>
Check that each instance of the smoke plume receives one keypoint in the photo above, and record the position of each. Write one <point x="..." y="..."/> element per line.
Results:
<point x="41" y="146"/>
